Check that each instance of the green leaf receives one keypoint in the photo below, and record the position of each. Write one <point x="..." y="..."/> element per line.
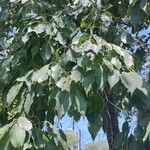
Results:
<point x="75" y="76"/>
<point x="87" y="20"/>
<point x="88" y="78"/>
<point x="106" y="20"/>
<point x="84" y="38"/>
<point x="69" y="56"/>
<point x="63" y="135"/>
<point x="23" y="1"/>
<point x="28" y="103"/>
<point x="147" y="132"/>
<point x="5" y="129"/>
<point x="37" y="136"/>
<point x="101" y="76"/>
<point x="64" y="83"/>
<point x="40" y="28"/>
<point x="27" y="145"/>
<point x="24" y="78"/>
<point x="128" y="60"/>
<point x="63" y="102"/>
<point x="125" y="127"/>
<point x="83" y="24"/>
<point x="139" y="132"/>
<point x="24" y="123"/>
<point x="98" y="40"/>
<point x="131" y="80"/>
<point x="13" y="92"/>
<point x="131" y="1"/>
<point x="141" y="97"/>
<point x="144" y="121"/>
<point x="143" y="4"/>
<point x="60" y="38"/>
<point x="116" y="63"/>
<point x="83" y="61"/>
<point x="94" y="116"/>
<point x="81" y="103"/>
<point x="46" y="52"/>
<point x="123" y="37"/>
<point x="95" y="126"/>
<point x="137" y="14"/>
<point x="35" y="50"/>
<point x="51" y="145"/>
<point x="119" y="140"/>
<point x="136" y="145"/>
<point x="25" y="38"/>
<point x="108" y="64"/>
<point x="89" y="49"/>
<point x="113" y="80"/>
<point x="17" y="136"/>
<point x="41" y="75"/>
<point x="4" y="141"/>
<point x="56" y="71"/>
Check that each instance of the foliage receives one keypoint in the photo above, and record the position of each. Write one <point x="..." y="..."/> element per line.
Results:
<point x="72" y="139"/>
<point x="101" y="145"/>
<point x="61" y="57"/>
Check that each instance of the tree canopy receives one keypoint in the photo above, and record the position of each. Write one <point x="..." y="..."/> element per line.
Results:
<point x="75" y="57"/>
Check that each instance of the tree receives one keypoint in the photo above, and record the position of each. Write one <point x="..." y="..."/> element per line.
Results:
<point x="74" y="57"/>
<point x="72" y="139"/>
<point x="102" y="145"/>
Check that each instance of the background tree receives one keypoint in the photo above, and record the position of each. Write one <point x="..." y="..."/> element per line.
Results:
<point x="74" y="57"/>
<point x="102" y="145"/>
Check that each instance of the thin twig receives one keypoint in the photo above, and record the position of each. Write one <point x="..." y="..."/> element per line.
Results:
<point x="111" y="102"/>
